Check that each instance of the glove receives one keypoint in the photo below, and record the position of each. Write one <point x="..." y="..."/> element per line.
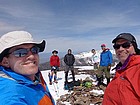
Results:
<point x="53" y="68"/>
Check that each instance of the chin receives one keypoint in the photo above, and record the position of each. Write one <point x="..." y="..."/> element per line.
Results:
<point x="122" y="60"/>
<point x="32" y="71"/>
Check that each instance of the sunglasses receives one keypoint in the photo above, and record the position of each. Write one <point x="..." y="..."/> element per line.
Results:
<point x="124" y="45"/>
<point x="22" y="52"/>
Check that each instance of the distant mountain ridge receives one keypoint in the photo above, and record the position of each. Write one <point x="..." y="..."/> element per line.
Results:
<point x="45" y="57"/>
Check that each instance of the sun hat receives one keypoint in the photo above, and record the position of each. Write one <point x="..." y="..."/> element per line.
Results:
<point x="54" y="51"/>
<point x="15" y="38"/>
<point x="129" y="37"/>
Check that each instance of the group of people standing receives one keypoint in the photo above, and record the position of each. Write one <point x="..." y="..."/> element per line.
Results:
<point x="69" y="60"/>
<point x="102" y="63"/>
<point x="22" y="83"/>
<point x="124" y="87"/>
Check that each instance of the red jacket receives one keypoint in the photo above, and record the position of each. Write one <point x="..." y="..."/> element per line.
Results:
<point x="124" y="89"/>
<point x="54" y="61"/>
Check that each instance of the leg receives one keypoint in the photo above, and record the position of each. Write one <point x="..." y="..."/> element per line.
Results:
<point x="100" y="75"/>
<point x="66" y="74"/>
<point x="95" y="66"/>
<point x="50" y="77"/>
<point x="107" y="74"/>
<point x="73" y="74"/>
<point x="55" y="76"/>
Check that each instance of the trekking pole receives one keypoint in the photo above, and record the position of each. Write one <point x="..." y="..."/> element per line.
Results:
<point x="56" y="90"/>
<point x="57" y="87"/>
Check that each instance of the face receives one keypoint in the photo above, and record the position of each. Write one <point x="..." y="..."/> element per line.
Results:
<point x="103" y="48"/>
<point x="69" y="51"/>
<point x="93" y="51"/>
<point x="123" y="52"/>
<point x="54" y="53"/>
<point x="26" y="65"/>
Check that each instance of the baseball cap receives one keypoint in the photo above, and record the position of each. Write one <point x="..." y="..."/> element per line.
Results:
<point x="103" y="45"/>
<point x="16" y="38"/>
<point x="129" y="37"/>
<point x="126" y="36"/>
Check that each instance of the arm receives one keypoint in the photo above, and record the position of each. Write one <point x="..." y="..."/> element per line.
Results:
<point x="110" y="58"/>
<point x="13" y="102"/>
<point x="92" y="58"/>
<point x="73" y="59"/>
<point x="51" y="61"/>
<point x="58" y="62"/>
<point x="65" y="59"/>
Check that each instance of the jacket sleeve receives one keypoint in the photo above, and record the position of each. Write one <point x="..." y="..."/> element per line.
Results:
<point x="92" y="59"/>
<point x="14" y="102"/>
<point x="73" y="59"/>
<point x="58" y="62"/>
<point x="65" y="59"/>
<point x="46" y="88"/>
<point x="133" y="77"/>
<point x="51" y="61"/>
<point x="110" y="58"/>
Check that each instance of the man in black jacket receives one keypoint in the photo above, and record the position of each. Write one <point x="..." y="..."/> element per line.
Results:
<point x="69" y="60"/>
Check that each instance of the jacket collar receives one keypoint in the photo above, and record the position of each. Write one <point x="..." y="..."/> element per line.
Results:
<point x="121" y="66"/>
<point x="18" y="77"/>
<point x="134" y="59"/>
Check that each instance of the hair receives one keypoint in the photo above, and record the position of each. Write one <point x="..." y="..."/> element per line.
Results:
<point x="4" y="54"/>
<point x="93" y="50"/>
<point x="69" y="50"/>
<point x="136" y="49"/>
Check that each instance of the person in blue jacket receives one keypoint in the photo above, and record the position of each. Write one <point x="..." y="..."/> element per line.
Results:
<point x="21" y="82"/>
<point x="105" y="65"/>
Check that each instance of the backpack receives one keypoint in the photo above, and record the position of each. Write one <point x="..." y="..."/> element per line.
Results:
<point x="70" y="85"/>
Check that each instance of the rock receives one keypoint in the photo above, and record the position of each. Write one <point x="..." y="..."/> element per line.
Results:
<point x="82" y="95"/>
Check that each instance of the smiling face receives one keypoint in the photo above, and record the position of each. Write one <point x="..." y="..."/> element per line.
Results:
<point x="123" y="53"/>
<point x="26" y="65"/>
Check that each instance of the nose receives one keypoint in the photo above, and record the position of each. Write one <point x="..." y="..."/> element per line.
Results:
<point x="121" y="48"/>
<point x="30" y="54"/>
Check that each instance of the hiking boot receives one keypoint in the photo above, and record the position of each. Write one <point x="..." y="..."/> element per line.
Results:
<point x="55" y="81"/>
<point x="66" y="87"/>
<point x="108" y="81"/>
<point x="99" y="81"/>
<point x="50" y="83"/>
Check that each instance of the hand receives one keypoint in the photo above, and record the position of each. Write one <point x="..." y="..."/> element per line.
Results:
<point x="109" y="67"/>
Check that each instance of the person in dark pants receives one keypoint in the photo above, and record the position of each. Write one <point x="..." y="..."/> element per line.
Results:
<point x="69" y="60"/>
<point x="105" y="65"/>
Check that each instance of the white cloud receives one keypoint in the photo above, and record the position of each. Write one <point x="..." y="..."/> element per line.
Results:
<point x="66" y="27"/>
<point x="5" y="27"/>
<point x="64" y="43"/>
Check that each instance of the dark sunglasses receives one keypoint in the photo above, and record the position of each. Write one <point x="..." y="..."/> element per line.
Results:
<point x="124" y="45"/>
<point x="21" y="52"/>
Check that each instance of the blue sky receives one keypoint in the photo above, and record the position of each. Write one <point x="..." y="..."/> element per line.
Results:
<point x="77" y="24"/>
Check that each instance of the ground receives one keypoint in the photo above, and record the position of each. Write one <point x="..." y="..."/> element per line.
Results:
<point x="80" y="95"/>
